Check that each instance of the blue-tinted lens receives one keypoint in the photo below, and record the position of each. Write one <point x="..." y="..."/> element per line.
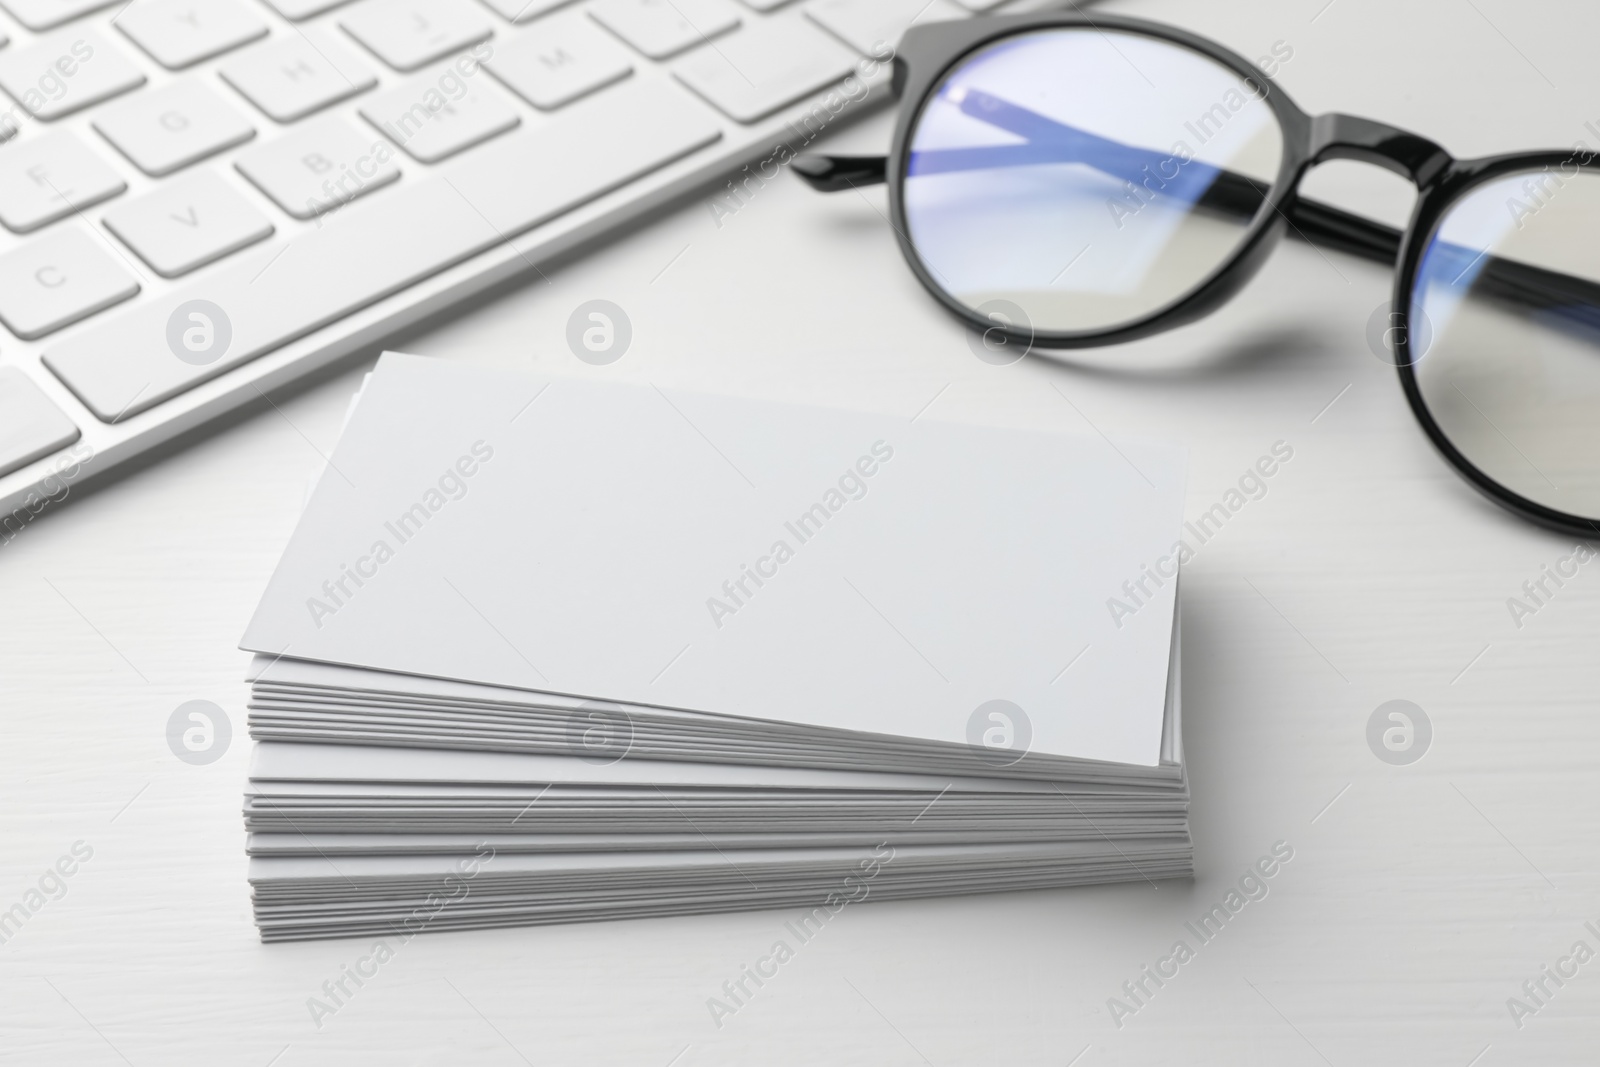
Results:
<point x="1509" y="288"/>
<point x="1088" y="179"/>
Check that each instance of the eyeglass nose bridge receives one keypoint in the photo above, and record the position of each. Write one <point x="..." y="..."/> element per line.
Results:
<point x="1337" y="136"/>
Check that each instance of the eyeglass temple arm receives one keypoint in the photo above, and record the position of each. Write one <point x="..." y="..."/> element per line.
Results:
<point x="835" y="174"/>
<point x="1320" y="224"/>
<point x="1048" y="140"/>
<point x="1317" y="223"/>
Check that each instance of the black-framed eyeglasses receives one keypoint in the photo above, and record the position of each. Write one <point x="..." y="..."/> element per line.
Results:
<point x="1067" y="181"/>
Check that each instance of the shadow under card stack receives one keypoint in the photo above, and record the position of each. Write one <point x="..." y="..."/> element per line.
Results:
<point x="555" y="650"/>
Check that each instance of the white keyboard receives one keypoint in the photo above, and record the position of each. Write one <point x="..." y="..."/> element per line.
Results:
<point x="203" y="200"/>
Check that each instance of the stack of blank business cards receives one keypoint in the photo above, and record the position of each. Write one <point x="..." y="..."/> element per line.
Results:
<point x="549" y="651"/>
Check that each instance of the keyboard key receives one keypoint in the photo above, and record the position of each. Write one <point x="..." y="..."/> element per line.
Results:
<point x="58" y="279"/>
<point x="179" y="33"/>
<point x="523" y="10"/>
<point x="559" y="60"/>
<point x="374" y="249"/>
<point x="187" y="223"/>
<point x="66" y="72"/>
<point x="871" y="26"/>
<point x="408" y="33"/>
<point x="31" y="426"/>
<point x="47" y="177"/>
<point x="754" y="73"/>
<point x="303" y="9"/>
<point x="662" y="28"/>
<point x="319" y="166"/>
<point x="430" y="125"/>
<point x="173" y="126"/>
<point x="291" y="77"/>
<point x="40" y="15"/>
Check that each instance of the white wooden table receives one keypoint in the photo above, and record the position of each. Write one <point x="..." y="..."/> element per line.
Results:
<point x="1418" y="900"/>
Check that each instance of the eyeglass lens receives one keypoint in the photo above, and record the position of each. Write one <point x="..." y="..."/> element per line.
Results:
<point x="1505" y="323"/>
<point x="1083" y="180"/>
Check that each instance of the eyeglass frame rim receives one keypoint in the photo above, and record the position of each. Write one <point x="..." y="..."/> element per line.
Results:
<point x="1453" y="187"/>
<point x="929" y="52"/>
